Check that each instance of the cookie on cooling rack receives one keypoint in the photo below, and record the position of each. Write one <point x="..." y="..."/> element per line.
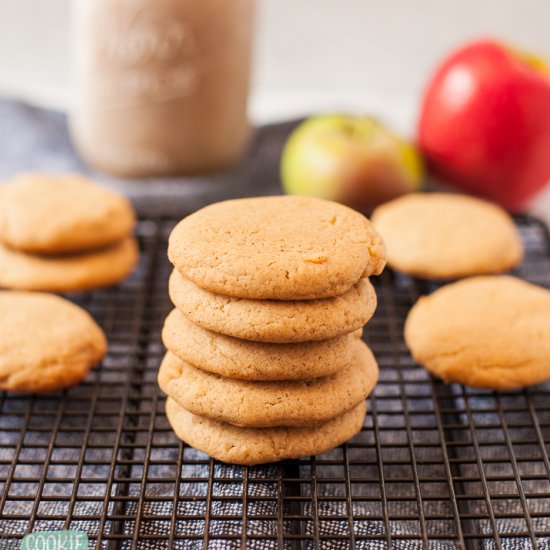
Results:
<point x="246" y="360"/>
<point x="485" y="332"/>
<point x="447" y="236"/>
<point x="250" y="446"/>
<point x="279" y="248"/>
<point x="268" y="404"/>
<point x="275" y="321"/>
<point x="46" y="342"/>
<point x="53" y="214"/>
<point x="68" y="272"/>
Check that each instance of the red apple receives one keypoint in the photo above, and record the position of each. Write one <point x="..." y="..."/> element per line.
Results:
<point x="485" y="123"/>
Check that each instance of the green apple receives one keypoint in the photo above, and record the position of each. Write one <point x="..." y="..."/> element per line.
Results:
<point x="353" y="160"/>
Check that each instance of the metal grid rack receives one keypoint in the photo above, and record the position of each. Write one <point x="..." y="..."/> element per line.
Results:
<point x="435" y="466"/>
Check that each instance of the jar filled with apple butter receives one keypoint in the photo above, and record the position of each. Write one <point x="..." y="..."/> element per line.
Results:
<point x="161" y="85"/>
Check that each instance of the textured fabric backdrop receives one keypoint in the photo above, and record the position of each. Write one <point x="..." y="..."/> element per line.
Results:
<point x="37" y="139"/>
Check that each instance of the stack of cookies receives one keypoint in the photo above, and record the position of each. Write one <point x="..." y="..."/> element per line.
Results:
<point x="265" y="359"/>
<point x="64" y="233"/>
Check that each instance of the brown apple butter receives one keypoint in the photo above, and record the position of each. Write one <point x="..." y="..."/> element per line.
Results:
<point x="161" y="85"/>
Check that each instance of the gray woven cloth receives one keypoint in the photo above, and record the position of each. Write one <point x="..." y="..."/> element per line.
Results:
<point x="37" y="139"/>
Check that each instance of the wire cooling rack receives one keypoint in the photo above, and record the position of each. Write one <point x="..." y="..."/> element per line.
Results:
<point x="436" y="466"/>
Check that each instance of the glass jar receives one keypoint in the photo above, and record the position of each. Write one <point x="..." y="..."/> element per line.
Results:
<point x="161" y="85"/>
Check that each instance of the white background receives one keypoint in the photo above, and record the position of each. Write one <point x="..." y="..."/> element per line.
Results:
<point x="369" y="55"/>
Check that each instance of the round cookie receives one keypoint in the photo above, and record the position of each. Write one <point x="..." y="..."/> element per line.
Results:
<point x="268" y="404"/>
<point x="485" y="332"/>
<point x="46" y="342"/>
<point x="246" y="360"/>
<point x="46" y="214"/>
<point x="446" y="236"/>
<point x="69" y="272"/>
<point x="280" y="248"/>
<point x="249" y="446"/>
<point x="275" y="321"/>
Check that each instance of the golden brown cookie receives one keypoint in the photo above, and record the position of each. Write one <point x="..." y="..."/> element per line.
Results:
<point x="53" y="214"/>
<point x="447" y="236"/>
<point x="268" y="404"/>
<point x="487" y="332"/>
<point x="250" y="446"/>
<point x="68" y="272"/>
<point x="282" y="248"/>
<point x="275" y="321"/>
<point x="246" y="360"/>
<point x="46" y="342"/>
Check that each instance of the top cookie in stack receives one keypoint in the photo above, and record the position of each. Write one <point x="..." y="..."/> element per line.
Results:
<point x="276" y="248"/>
<point x="63" y="233"/>
<point x="264" y="346"/>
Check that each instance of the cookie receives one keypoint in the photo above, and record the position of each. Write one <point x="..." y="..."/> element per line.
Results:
<point x="245" y="360"/>
<point x="46" y="342"/>
<point x="47" y="214"/>
<point x="485" y="332"/>
<point x="268" y="404"/>
<point x="446" y="236"/>
<point x="68" y="272"/>
<point x="249" y="446"/>
<point x="278" y="248"/>
<point x="275" y="321"/>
